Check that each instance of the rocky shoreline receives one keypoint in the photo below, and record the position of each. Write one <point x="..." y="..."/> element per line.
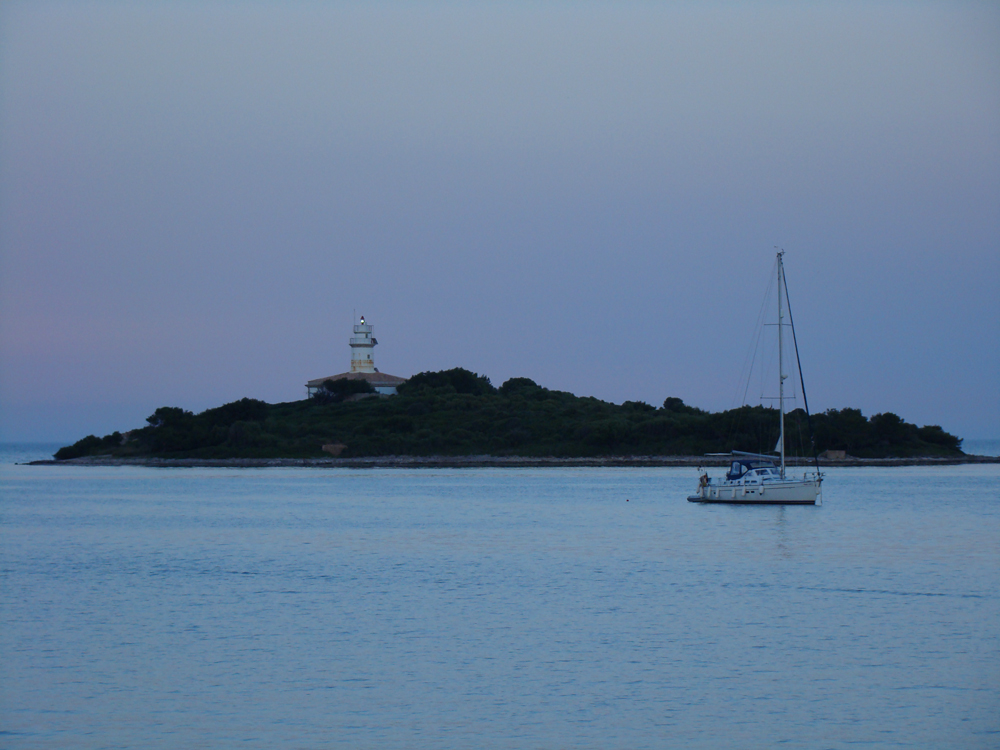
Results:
<point x="477" y="462"/>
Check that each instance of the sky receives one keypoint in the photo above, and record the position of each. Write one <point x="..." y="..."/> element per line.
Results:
<point x="197" y="197"/>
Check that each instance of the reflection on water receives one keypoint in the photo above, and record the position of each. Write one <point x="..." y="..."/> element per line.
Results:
<point x="499" y="608"/>
<point x="781" y="532"/>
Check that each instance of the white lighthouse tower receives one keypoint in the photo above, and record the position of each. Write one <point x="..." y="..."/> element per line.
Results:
<point x="362" y="366"/>
<point x="362" y="345"/>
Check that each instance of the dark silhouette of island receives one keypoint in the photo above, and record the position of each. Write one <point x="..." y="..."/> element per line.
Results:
<point x="460" y="413"/>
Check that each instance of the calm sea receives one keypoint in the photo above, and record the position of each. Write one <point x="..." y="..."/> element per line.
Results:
<point x="495" y="608"/>
<point x="981" y="447"/>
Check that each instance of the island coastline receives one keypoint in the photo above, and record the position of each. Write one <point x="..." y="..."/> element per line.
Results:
<point x="458" y="418"/>
<point x="499" y="462"/>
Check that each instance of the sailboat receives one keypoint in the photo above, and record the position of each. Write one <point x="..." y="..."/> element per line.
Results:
<point x="755" y="478"/>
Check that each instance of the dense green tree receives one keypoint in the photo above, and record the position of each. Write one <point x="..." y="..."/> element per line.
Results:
<point x="244" y="410"/>
<point x="933" y="434"/>
<point x="168" y="416"/>
<point x="676" y="405"/>
<point x="335" y="391"/>
<point x="517" y="385"/>
<point x="83" y="447"/>
<point x="457" y="379"/>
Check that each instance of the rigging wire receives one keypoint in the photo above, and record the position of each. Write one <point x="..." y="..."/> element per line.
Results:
<point x="751" y="356"/>
<point x="746" y="372"/>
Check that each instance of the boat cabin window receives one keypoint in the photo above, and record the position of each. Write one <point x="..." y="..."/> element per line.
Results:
<point x="739" y="468"/>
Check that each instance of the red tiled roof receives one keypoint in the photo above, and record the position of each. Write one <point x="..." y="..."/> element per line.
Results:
<point x="375" y="378"/>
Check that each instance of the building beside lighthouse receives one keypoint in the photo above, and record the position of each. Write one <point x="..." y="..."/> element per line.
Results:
<point x="363" y="344"/>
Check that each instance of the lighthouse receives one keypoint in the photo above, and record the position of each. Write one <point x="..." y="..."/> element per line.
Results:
<point x="362" y="346"/>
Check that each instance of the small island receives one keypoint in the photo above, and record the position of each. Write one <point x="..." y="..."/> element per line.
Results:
<point x="457" y="413"/>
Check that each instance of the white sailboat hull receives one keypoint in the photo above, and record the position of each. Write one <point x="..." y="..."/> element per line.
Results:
<point x="786" y="492"/>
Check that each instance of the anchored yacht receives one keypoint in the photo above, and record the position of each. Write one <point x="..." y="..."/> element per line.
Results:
<point x="756" y="479"/>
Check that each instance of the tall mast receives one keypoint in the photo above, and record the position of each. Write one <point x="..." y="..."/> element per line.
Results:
<point x="781" y="366"/>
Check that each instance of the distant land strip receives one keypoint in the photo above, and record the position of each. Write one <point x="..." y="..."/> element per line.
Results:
<point x="500" y="462"/>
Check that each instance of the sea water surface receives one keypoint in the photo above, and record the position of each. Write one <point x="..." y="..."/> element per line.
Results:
<point x="500" y="608"/>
